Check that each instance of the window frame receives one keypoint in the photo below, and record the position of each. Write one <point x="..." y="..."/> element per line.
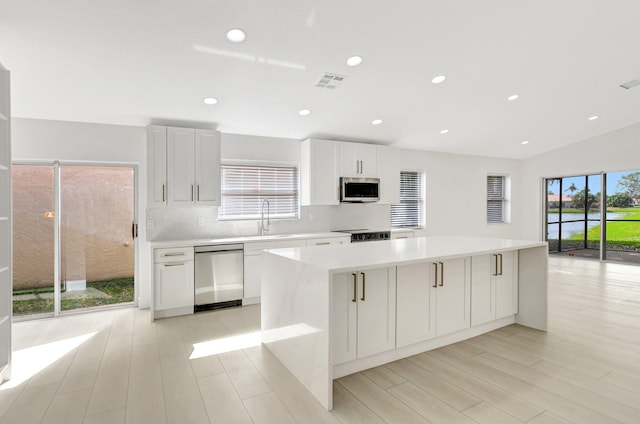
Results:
<point x="504" y="199"/>
<point x="421" y="219"/>
<point x="259" y="164"/>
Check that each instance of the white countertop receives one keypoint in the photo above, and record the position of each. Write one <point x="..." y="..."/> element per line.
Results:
<point x="402" y="251"/>
<point x="247" y="239"/>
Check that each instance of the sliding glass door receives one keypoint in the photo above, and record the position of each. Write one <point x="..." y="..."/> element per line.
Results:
<point x="594" y="216"/>
<point x="74" y="239"/>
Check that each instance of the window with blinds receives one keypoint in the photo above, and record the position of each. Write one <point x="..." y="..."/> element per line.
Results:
<point x="244" y="187"/>
<point x="409" y="212"/>
<point x="496" y="199"/>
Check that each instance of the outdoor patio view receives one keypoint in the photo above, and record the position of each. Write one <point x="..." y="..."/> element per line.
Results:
<point x="96" y="245"/>
<point x="574" y="213"/>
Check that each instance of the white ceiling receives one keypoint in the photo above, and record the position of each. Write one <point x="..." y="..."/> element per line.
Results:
<point x="134" y="62"/>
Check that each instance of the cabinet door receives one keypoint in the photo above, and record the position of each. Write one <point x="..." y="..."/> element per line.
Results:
<point x="252" y="275"/>
<point x="207" y="168"/>
<point x="181" y="166"/>
<point x="483" y="305"/>
<point x="156" y="166"/>
<point x="388" y="167"/>
<point x="376" y="311"/>
<point x="506" y="283"/>
<point x="344" y="317"/>
<point x="453" y="308"/>
<point x="368" y="157"/>
<point x="416" y="304"/>
<point x="173" y="285"/>
<point x="319" y="172"/>
<point x="349" y="161"/>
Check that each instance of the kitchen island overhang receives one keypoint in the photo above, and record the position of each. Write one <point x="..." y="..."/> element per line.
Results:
<point x="299" y="320"/>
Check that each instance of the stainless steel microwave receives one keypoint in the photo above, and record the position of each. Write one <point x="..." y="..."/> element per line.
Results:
<point x="359" y="190"/>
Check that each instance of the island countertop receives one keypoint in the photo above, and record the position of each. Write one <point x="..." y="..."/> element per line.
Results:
<point x="399" y="252"/>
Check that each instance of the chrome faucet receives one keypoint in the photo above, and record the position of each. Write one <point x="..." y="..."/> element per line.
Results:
<point x="264" y="229"/>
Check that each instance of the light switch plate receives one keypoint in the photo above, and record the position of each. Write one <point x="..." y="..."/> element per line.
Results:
<point x="151" y="224"/>
<point x="201" y="221"/>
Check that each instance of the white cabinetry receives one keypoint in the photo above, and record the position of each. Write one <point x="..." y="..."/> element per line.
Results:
<point x="494" y="286"/>
<point x="364" y="313"/>
<point x="389" y="174"/>
<point x="328" y="241"/>
<point x="184" y="166"/>
<point x="358" y="159"/>
<point x="416" y="307"/>
<point x="173" y="281"/>
<point x="319" y="172"/>
<point x="401" y="234"/>
<point x="6" y="301"/>
<point x="253" y="265"/>
<point x="454" y="295"/>
<point x="433" y="300"/>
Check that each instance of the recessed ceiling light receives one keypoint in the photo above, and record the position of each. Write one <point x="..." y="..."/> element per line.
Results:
<point x="513" y="97"/>
<point x="210" y="100"/>
<point x="354" y="61"/>
<point x="593" y="118"/>
<point x="236" y="35"/>
<point x="438" y="79"/>
<point x="525" y="142"/>
<point x="376" y="122"/>
<point x="304" y="112"/>
<point x="444" y="131"/>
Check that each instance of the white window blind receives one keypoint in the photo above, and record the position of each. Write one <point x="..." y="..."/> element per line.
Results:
<point x="496" y="199"/>
<point x="408" y="213"/>
<point x="244" y="187"/>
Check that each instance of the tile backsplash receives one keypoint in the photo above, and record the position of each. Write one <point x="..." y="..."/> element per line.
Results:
<point x="185" y="223"/>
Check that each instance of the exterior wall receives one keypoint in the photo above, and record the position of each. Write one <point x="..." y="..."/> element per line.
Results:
<point x="97" y="205"/>
<point x="611" y="152"/>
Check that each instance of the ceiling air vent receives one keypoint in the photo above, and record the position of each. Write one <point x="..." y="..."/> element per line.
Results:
<point x="330" y="80"/>
<point x="631" y="84"/>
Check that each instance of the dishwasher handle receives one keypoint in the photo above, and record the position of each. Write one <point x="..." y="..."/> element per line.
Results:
<point x="218" y="248"/>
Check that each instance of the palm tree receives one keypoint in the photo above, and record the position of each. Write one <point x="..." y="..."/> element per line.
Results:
<point x="572" y="188"/>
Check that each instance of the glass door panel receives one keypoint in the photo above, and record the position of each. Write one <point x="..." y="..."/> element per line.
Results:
<point x="623" y="216"/>
<point x="33" y="239"/>
<point x="97" y="245"/>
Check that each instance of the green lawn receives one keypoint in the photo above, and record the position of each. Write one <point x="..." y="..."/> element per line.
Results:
<point x="622" y="235"/>
<point x="116" y="291"/>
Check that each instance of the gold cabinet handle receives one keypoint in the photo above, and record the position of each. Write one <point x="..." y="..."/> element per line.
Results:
<point x="500" y="254"/>
<point x="364" y="283"/>
<point x="163" y="190"/>
<point x="198" y="192"/>
<point x="441" y="274"/>
<point x="355" y="287"/>
<point x="495" y="272"/>
<point x="180" y="264"/>
<point x="435" y="277"/>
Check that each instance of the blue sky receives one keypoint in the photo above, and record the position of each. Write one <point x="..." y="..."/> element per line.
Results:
<point x="594" y="183"/>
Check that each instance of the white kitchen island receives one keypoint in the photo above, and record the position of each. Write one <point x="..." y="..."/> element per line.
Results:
<point x="329" y="311"/>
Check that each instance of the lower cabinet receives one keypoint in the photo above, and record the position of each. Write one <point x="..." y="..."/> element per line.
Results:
<point x="364" y="313"/>
<point x="173" y="278"/>
<point x="433" y="300"/>
<point x="494" y="286"/>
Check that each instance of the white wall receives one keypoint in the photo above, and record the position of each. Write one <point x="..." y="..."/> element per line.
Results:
<point x="456" y="192"/>
<point x="611" y="152"/>
<point x="35" y="139"/>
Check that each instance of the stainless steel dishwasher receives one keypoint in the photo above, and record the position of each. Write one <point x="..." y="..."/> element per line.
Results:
<point x="219" y="276"/>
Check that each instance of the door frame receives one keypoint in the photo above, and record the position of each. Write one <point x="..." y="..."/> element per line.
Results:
<point x="57" y="262"/>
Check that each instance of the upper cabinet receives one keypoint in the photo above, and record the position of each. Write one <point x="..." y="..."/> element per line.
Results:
<point x="183" y="167"/>
<point x="358" y="160"/>
<point x="389" y="174"/>
<point x="319" y="177"/>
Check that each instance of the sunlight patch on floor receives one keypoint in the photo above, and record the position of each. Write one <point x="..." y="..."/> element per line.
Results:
<point x="26" y="363"/>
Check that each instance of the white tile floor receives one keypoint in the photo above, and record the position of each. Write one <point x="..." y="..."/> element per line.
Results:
<point x="117" y="367"/>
